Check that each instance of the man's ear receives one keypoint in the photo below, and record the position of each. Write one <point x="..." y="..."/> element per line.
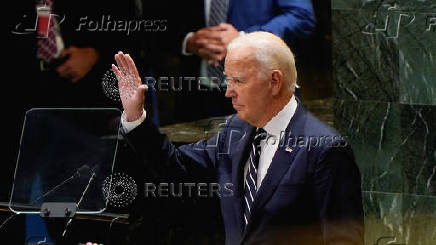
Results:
<point x="276" y="82"/>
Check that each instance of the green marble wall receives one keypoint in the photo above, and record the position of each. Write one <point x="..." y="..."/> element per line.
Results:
<point x="384" y="61"/>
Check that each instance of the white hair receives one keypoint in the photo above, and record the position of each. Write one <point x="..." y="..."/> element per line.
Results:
<point x="271" y="53"/>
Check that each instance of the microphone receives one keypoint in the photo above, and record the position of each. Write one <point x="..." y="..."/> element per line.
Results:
<point x="84" y="170"/>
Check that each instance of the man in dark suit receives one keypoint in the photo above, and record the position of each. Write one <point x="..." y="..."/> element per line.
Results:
<point x="292" y="179"/>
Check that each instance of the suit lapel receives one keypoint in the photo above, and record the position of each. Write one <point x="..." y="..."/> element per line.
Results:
<point x="280" y="163"/>
<point x="239" y="156"/>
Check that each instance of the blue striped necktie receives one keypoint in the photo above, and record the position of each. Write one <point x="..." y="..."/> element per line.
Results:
<point x="250" y="182"/>
<point x="218" y="14"/>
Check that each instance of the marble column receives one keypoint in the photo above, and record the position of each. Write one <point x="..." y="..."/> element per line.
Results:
<point x="384" y="61"/>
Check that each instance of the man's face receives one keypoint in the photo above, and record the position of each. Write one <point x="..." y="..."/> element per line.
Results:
<point x="250" y="96"/>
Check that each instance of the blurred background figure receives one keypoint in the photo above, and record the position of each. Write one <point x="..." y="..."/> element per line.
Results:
<point x="57" y="53"/>
<point x="206" y="33"/>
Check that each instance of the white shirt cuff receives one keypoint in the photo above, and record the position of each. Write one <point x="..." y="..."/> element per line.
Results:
<point x="184" y="52"/>
<point x="129" y="126"/>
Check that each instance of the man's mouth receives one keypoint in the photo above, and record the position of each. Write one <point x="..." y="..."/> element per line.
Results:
<point x="236" y="106"/>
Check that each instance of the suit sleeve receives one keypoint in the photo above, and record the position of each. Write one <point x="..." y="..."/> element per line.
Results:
<point x="338" y="193"/>
<point x="295" y="19"/>
<point x="188" y="162"/>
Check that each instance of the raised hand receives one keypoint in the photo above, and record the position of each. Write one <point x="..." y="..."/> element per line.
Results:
<point x="130" y="86"/>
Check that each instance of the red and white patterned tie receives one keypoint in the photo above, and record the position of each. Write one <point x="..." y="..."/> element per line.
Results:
<point x="47" y="47"/>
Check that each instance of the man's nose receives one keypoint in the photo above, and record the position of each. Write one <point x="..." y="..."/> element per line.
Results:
<point x="230" y="92"/>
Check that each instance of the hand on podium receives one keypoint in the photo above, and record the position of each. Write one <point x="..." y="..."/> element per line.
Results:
<point x="130" y="86"/>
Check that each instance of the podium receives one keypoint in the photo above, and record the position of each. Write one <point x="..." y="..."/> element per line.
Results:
<point x="65" y="165"/>
<point x="66" y="157"/>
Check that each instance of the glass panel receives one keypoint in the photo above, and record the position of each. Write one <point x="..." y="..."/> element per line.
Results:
<point x="65" y="156"/>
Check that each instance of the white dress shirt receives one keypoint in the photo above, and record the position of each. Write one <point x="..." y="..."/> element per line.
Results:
<point x="129" y="126"/>
<point x="275" y="129"/>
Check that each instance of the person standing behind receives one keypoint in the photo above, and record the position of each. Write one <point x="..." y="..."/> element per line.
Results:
<point x="206" y="34"/>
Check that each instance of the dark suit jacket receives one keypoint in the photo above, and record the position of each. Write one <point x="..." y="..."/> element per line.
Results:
<point x="310" y="195"/>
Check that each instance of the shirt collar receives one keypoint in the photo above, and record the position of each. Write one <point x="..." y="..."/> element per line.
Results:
<point x="279" y="122"/>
